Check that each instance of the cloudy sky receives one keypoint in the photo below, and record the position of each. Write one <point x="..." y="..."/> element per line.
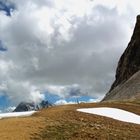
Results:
<point x="64" y="48"/>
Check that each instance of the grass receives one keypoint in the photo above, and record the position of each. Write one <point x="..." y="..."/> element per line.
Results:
<point x="62" y="131"/>
<point x="19" y="128"/>
<point x="65" y="123"/>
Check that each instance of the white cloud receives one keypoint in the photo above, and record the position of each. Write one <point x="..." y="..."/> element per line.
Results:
<point x="10" y="109"/>
<point x="68" y="48"/>
<point x="92" y="101"/>
<point x="63" y="102"/>
<point x="36" y="96"/>
<point x="96" y="99"/>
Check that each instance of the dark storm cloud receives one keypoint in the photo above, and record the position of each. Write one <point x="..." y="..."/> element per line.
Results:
<point x="53" y="49"/>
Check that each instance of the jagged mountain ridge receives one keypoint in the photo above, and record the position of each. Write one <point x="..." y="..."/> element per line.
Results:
<point x="25" y="106"/>
<point x="128" y="66"/>
<point x="29" y="106"/>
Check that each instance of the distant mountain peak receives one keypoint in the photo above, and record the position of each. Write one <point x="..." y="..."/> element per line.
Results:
<point x="29" y="106"/>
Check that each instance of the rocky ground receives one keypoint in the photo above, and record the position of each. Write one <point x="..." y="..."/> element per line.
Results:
<point x="65" y="123"/>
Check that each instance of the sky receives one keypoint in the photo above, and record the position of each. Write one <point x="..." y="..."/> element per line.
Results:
<point x="62" y="48"/>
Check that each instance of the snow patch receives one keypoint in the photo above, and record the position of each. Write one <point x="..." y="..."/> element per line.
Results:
<point x="114" y="113"/>
<point x="16" y="114"/>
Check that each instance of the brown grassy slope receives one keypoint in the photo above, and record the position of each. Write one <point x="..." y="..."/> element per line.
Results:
<point x="65" y="123"/>
<point x="20" y="128"/>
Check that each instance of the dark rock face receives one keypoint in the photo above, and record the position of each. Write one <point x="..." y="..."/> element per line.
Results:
<point x="24" y="106"/>
<point x="129" y="62"/>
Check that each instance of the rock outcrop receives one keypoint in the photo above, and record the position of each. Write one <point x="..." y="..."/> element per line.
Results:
<point x="130" y="90"/>
<point x="128" y="66"/>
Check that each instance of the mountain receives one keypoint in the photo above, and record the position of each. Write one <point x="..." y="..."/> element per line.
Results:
<point x="43" y="104"/>
<point x="27" y="106"/>
<point x="127" y="83"/>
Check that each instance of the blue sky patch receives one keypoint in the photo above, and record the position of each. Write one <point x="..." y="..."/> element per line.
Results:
<point x="53" y="98"/>
<point x="2" y="47"/>
<point x="6" y="7"/>
<point x="80" y="99"/>
<point x="4" y="102"/>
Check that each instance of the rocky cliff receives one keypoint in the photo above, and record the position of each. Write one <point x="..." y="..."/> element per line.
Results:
<point x="128" y="65"/>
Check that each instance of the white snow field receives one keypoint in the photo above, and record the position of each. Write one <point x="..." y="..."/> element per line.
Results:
<point x="114" y="113"/>
<point x="16" y="114"/>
